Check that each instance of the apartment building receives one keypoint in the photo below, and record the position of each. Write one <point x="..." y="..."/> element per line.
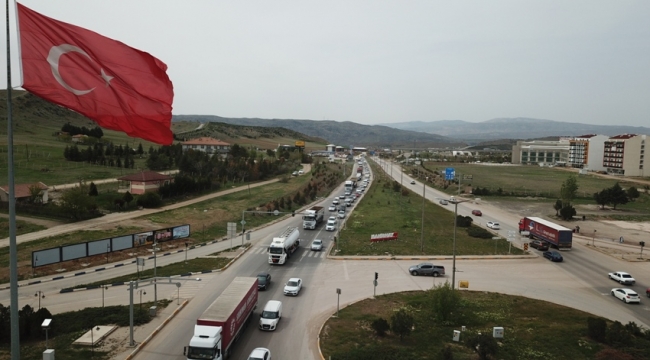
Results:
<point x="586" y="152"/>
<point x="624" y="155"/>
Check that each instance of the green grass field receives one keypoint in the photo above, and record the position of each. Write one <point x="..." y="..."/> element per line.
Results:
<point x="533" y="329"/>
<point x="383" y="210"/>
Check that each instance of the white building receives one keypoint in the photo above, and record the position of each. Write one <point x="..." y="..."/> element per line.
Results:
<point x="624" y="155"/>
<point x="540" y="152"/>
<point x="207" y="145"/>
<point x="586" y="152"/>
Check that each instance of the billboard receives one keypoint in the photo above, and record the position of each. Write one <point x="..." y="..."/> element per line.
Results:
<point x="300" y="143"/>
<point x="143" y="238"/>
<point x="181" y="232"/>
<point x="162" y="235"/>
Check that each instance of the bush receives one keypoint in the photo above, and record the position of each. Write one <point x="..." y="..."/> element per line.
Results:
<point x="401" y="323"/>
<point x="464" y="221"/>
<point x="149" y="200"/>
<point x="447" y="353"/>
<point x="567" y="212"/>
<point x="477" y="232"/>
<point x="484" y="345"/>
<point x="597" y="329"/>
<point x="445" y="301"/>
<point x="381" y="326"/>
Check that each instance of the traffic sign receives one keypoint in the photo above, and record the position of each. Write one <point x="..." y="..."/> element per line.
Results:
<point x="450" y="173"/>
<point x="243" y="222"/>
<point x="374" y="282"/>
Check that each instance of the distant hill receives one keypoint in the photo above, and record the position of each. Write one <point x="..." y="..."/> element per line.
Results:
<point x="513" y="128"/>
<point x="340" y="133"/>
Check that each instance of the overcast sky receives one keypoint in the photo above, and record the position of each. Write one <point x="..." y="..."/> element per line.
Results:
<point x="377" y="61"/>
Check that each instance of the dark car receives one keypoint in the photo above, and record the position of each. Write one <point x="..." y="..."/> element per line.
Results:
<point x="263" y="281"/>
<point x="553" y="256"/>
<point x="539" y="245"/>
<point x="427" y="269"/>
<point x="647" y="292"/>
<point x="477" y="213"/>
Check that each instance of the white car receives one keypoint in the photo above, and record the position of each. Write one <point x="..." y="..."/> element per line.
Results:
<point x="293" y="286"/>
<point x="317" y="245"/>
<point x="622" y="277"/>
<point x="341" y="214"/>
<point x="331" y="225"/>
<point x="260" y="354"/>
<point x="332" y="208"/>
<point x="627" y="295"/>
<point x="493" y="225"/>
<point x="335" y="201"/>
<point x="412" y="182"/>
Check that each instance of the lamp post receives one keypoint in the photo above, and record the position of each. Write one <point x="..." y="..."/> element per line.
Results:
<point x="422" y="225"/>
<point x="453" y="266"/>
<point x="155" y="280"/>
<point x="103" y="288"/>
<point x="108" y="249"/>
<point x="40" y="295"/>
<point x="186" y="252"/>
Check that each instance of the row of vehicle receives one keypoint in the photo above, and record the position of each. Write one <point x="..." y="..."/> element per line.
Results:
<point x="625" y="294"/>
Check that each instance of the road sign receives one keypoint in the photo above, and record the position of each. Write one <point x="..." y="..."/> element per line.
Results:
<point x="374" y="282"/>
<point x="243" y="222"/>
<point x="450" y="173"/>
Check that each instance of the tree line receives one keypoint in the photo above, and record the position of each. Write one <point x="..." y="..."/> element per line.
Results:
<point x="104" y="155"/>
<point x="95" y="132"/>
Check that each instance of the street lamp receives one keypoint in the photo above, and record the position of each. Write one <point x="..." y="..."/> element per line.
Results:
<point x="424" y="186"/>
<point x="40" y="295"/>
<point x="454" y="201"/>
<point x="108" y="249"/>
<point x="103" y="288"/>
<point x="155" y="276"/>
<point x="186" y="244"/>
<point x="593" y="239"/>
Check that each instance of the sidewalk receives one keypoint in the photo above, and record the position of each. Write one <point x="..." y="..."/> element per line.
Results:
<point x="624" y="251"/>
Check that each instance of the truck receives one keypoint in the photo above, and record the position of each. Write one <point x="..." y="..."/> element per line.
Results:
<point x="351" y="184"/>
<point x="283" y="246"/>
<point x="360" y="170"/>
<point x="554" y="234"/>
<point x="313" y="216"/>
<point x="222" y="322"/>
<point x="359" y="176"/>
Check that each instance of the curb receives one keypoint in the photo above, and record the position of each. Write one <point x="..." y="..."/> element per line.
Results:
<point x="329" y="317"/>
<point x="446" y="257"/>
<point x="156" y="331"/>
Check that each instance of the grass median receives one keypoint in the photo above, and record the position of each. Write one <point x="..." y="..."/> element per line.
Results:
<point x="194" y="265"/>
<point x="533" y="329"/>
<point x="387" y="208"/>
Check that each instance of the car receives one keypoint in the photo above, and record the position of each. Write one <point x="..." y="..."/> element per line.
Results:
<point x="331" y="224"/>
<point x="300" y="172"/>
<point x="271" y="315"/>
<point x="347" y="193"/>
<point x="342" y="208"/>
<point x="293" y="286"/>
<point x="622" y="277"/>
<point x="493" y="225"/>
<point x="539" y="245"/>
<point x="427" y="269"/>
<point x="260" y="354"/>
<point x="341" y="214"/>
<point x="647" y="292"/>
<point x="627" y="295"/>
<point x="477" y="213"/>
<point x="332" y="208"/>
<point x="554" y="256"/>
<point x="412" y="182"/>
<point x="443" y="202"/>
<point x="295" y="173"/>
<point x="263" y="281"/>
<point x="335" y="201"/>
<point x="317" y="245"/>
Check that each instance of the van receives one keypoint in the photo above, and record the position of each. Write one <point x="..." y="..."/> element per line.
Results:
<point x="271" y="315"/>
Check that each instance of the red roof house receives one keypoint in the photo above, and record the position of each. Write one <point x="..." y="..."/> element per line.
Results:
<point x="23" y="192"/>
<point x="146" y="181"/>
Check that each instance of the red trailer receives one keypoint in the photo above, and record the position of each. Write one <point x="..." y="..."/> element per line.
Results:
<point x="221" y="323"/>
<point x="554" y="234"/>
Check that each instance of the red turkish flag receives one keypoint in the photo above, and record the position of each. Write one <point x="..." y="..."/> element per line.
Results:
<point x="119" y="87"/>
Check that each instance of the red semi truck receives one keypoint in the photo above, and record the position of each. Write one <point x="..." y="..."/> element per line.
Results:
<point x="222" y="322"/>
<point x="554" y="234"/>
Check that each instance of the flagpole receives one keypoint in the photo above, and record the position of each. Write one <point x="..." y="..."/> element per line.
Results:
<point x="13" y="261"/>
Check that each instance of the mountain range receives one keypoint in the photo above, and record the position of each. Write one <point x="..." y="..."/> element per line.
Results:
<point x="513" y="128"/>
<point x="344" y="133"/>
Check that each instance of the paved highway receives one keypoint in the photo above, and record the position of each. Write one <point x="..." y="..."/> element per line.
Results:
<point x="580" y="282"/>
<point x="587" y="269"/>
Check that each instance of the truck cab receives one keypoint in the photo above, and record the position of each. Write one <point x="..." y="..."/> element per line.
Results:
<point x="205" y="344"/>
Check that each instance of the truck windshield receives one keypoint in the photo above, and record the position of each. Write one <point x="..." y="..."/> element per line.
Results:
<point x="276" y="251"/>
<point x="308" y="217"/>
<point x="269" y="315"/>
<point x="200" y="353"/>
